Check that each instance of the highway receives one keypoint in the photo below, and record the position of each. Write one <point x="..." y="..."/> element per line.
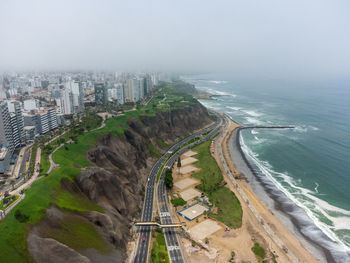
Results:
<point x="143" y="244"/>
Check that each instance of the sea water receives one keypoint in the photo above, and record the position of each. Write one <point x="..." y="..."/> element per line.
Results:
<point x="311" y="163"/>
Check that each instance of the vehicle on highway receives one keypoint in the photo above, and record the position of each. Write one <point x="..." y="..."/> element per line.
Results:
<point x="143" y="239"/>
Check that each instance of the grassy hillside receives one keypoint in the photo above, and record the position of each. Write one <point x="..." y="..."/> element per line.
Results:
<point x="229" y="210"/>
<point x="71" y="158"/>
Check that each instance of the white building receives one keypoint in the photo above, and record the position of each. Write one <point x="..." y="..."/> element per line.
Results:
<point x="31" y="104"/>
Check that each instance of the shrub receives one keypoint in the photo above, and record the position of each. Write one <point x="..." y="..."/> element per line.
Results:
<point x="22" y="218"/>
<point x="168" y="180"/>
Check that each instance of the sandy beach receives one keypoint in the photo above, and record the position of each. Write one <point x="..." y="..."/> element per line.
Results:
<point x="259" y="223"/>
<point x="238" y="168"/>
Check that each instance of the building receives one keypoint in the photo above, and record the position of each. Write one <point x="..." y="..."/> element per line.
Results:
<point x="76" y="88"/>
<point x="15" y="133"/>
<point x="29" y="133"/>
<point x="66" y="102"/>
<point x="120" y="93"/>
<point x="128" y="91"/>
<point x="43" y="122"/>
<point x="52" y="117"/>
<point x="14" y="108"/>
<point x="136" y="89"/>
<point x="6" y="140"/>
<point x="31" y="104"/>
<point x="100" y="93"/>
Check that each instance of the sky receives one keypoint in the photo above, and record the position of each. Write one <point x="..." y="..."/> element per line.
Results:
<point x="249" y="37"/>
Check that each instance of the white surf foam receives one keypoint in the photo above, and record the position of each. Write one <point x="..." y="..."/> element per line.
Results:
<point x="221" y="93"/>
<point x="217" y="81"/>
<point x="305" y="128"/>
<point x="252" y="113"/>
<point x="253" y="121"/>
<point x="341" y="222"/>
<point x="254" y="131"/>
<point x="234" y="108"/>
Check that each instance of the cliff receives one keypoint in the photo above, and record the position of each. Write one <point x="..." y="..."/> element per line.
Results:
<point x="115" y="182"/>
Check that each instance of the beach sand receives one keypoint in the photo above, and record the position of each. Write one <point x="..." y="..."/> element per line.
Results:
<point x="292" y="243"/>
<point x="221" y="243"/>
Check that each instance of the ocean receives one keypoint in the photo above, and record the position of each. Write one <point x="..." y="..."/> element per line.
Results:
<point x="311" y="163"/>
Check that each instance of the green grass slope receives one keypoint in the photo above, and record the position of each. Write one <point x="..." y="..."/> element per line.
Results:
<point x="229" y="210"/>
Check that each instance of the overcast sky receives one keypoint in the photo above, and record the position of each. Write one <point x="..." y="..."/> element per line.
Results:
<point x="307" y="37"/>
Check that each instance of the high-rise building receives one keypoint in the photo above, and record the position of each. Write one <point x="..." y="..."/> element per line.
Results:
<point x="120" y="93"/>
<point x="76" y="89"/>
<point x="100" y="93"/>
<point x="67" y="102"/>
<point x="136" y="89"/>
<point x="15" y="133"/>
<point x="14" y="108"/>
<point x="6" y="139"/>
<point x="43" y="121"/>
<point x="128" y="91"/>
<point x="5" y="127"/>
<point x="52" y="117"/>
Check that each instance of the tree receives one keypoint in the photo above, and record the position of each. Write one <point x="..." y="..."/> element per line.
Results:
<point x="168" y="180"/>
<point x="179" y="162"/>
<point x="12" y="183"/>
<point x="22" y="218"/>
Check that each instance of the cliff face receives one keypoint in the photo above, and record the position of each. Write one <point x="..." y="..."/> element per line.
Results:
<point x="116" y="180"/>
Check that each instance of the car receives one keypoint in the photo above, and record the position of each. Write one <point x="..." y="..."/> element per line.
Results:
<point x="143" y="239"/>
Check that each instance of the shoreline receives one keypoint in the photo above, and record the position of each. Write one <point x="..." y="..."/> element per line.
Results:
<point x="276" y="235"/>
<point x="287" y="212"/>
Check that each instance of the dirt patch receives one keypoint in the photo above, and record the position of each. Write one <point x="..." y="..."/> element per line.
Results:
<point x="187" y="182"/>
<point x="190" y="153"/>
<point x="188" y="169"/>
<point x="204" y="229"/>
<point x="188" y="160"/>
<point x="189" y="194"/>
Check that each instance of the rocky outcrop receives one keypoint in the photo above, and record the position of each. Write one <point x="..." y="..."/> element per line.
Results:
<point x="117" y="177"/>
<point x="48" y="250"/>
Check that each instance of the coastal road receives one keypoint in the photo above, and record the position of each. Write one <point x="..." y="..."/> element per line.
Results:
<point x="171" y="237"/>
<point x="143" y="244"/>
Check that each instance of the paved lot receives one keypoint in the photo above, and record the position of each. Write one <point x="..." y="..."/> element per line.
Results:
<point x="187" y="182"/>
<point x="190" y="194"/>
<point x="204" y="229"/>
<point x="194" y="211"/>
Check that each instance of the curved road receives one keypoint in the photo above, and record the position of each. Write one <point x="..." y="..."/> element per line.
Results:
<point x="172" y="241"/>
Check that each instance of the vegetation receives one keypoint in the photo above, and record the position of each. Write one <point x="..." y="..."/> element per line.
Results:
<point x="168" y="179"/>
<point x="20" y="217"/>
<point x="229" y="210"/>
<point x="159" y="253"/>
<point x="32" y="160"/>
<point x="178" y="202"/>
<point x="258" y="251"/>
<point x="161" y="143"/>
<point x="178" y="162"/>
<point x="77" y="233"/>
<point x="154" y="152"/>
<point x="233" y="254"/>
<point x="71" y="158"/>
<point x="48" y="191"/>
<point x="8" y="200"/>
<point x="210" y="174"/>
